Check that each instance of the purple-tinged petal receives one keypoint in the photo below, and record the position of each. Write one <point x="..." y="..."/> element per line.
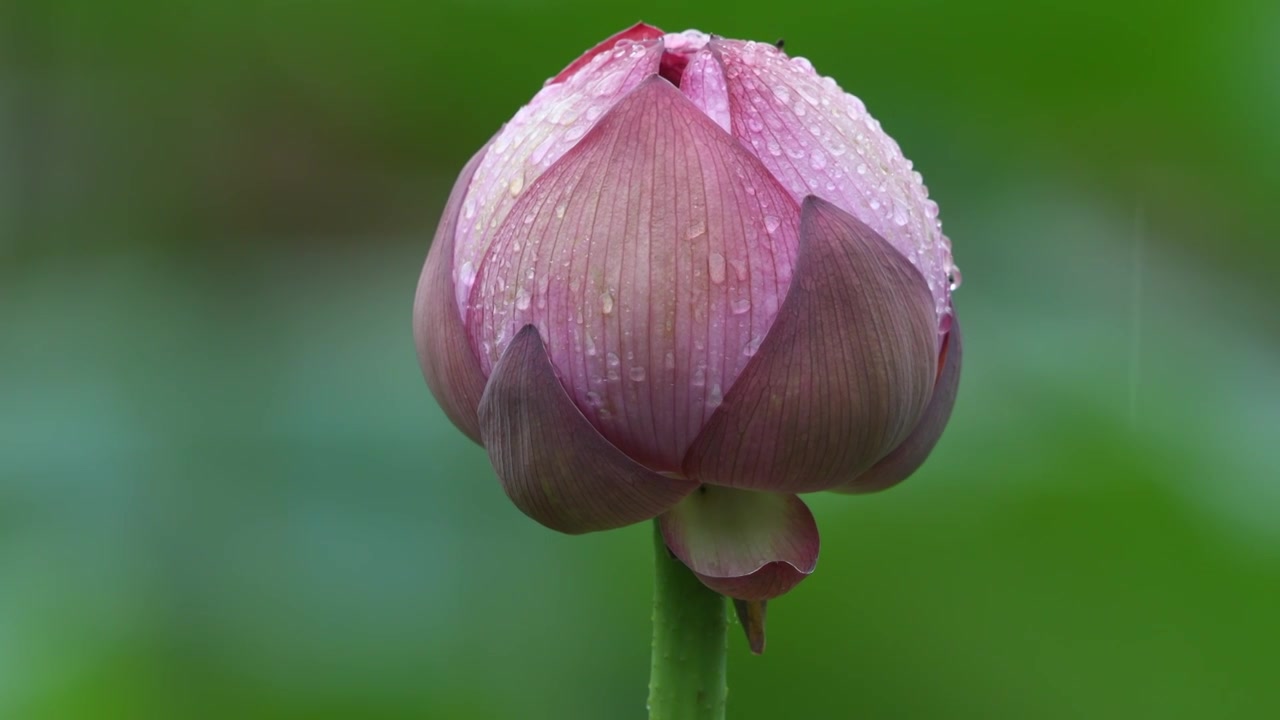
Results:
<point x="746" y="545"/>
<point x="653" y="258"/>
<point x="553" y="465"/>
<point x="444" y="351"/>
<point x="819" y="140"/>
<point x="911" y="454"/>
<point x="554" y="121"/>
<point x="636" y="33"/>
<point x="842" y="377"/>
<point x="704" y="84"/>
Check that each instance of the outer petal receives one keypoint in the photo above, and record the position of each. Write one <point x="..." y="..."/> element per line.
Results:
<point x="554" y="466"/>
<point x="842" y="377"/>
<point x="636" y="33"/>
<point x="653" y="258"/>
<point x="747" y="545"/>
<point x="543" y="131"/>
<point x="911" y="454"/>
<point x="820" y="140"/>
<point x="448" y="363"/>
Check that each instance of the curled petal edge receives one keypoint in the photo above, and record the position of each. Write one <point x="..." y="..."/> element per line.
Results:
<point x="448" y="363"/>
<point x="912" y="453"/>
<point x="553" y="464"/>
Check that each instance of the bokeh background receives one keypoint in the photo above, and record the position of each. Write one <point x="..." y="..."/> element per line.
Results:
<point x="226" y="492"/>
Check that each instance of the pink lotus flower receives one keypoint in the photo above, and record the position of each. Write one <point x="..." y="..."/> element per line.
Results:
<point x="689" y="280"/>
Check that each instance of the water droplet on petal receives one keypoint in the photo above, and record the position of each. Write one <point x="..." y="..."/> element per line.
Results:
<point x="637" y="373"/>
<point x="522" y="298"/>
<point x="699" y="376"/>
<point x="670" y="361"/>
<point x="861" y="169"/>
<point x="715" y="396"/>
<point x="900" y="216"/>
<point x="740" y="306"/>
<point x="817" y="159"/>
<point x="516" y="184"/>
<point x="560" y="211"/>
<point x="606" y="302"/>
<point x="697" y="229"/>
<point x="753" y="346"/>
<point x="771" y="223"/>
<point x="715" y="267"/>
<point x="955" y="278"/>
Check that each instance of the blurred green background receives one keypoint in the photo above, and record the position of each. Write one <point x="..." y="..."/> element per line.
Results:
<point x="225" y="490"/>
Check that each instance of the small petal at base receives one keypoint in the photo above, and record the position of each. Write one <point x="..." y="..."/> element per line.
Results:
<point x="746" y="545"/>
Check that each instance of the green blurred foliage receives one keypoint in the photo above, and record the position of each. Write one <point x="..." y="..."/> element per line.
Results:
<point x="226" y="492"/>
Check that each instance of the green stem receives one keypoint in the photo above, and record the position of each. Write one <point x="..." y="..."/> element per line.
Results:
<point x="687" y="676"/>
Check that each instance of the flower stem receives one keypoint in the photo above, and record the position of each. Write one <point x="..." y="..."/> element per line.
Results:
<point x="687" y="675"/>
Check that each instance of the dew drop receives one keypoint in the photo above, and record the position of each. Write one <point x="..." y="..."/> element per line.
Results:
<point x="699" y="376"/>
<point x="771" y="223"/>
<point x="861" y="169"/>
<point x="697" y="229"/>
<point x="560" y="211"/>
<point x="954" y="278"/>
<point x="670" y="361"/>
<point x="522" y="298"/>
<point x="591" y="346"/>
<point x="467" y="274"/>
<point x="753" y="346"/>
<point x="774" y="148"/>
<point x="715" y="267"/>
<point x="593" y="398"/>
<point x="606" y="303"/>
<point x="900" y="216"/>
<point x="516" y="184"/>
<point x="740" y="306"/>
<point x="469" y="208"/>
<point x="637" y="373"/>
<point x="817" y="159"/>
<point x="612" y="359"/>
<point x="930" y="209"/>
<point x="715" y="396"/>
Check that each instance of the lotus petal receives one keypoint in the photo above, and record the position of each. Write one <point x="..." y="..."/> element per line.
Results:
<point x="842" y="377"/>
<point x="636" y="33"/>
<point x="552" y="463"/>
<point x="553" y="122"/>
<point x="819" y="140"/>
<point x="747" y="545"/>
<point x="448" y="362"/>
<point x="653" y="258"/>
